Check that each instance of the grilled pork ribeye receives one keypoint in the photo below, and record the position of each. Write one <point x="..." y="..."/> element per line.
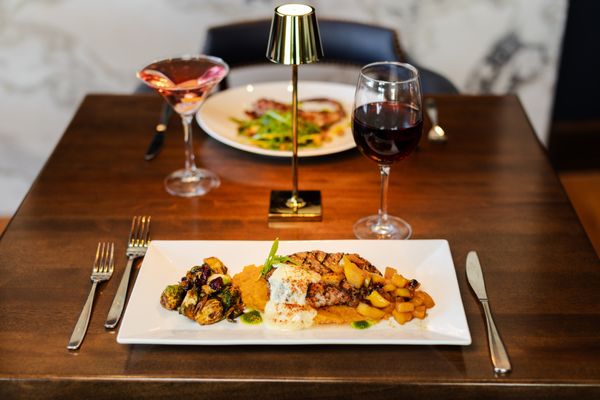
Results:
<point x="323" y="294"/>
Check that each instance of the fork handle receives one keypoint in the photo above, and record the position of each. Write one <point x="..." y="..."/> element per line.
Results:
<point x="116" y="309"/>
<point x="83" y="321"/>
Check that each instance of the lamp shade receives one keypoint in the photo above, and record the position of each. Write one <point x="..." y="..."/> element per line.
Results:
<point x="294" y="37"/>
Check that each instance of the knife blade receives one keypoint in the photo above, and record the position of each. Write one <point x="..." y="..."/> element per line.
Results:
<point x="159" y="136"/>
<point x="498" y="352"/>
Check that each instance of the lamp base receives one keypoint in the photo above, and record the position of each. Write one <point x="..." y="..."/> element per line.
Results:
<point x="280" y="212"/>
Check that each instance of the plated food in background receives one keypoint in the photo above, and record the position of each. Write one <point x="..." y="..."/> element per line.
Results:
<point x="298" y="291"/>
<point x="269" y="123"/>
<point x="227" y="112"/>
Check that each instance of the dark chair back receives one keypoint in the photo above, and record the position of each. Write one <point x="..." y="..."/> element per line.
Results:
<point x="245" y="43"/>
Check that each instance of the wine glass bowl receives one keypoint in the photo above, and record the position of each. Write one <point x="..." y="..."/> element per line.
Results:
<point x="387" y="124"/>
<point x="184" y="82"/>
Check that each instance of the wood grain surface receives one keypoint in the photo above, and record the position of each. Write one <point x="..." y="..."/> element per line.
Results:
<point x="490" y="189"/>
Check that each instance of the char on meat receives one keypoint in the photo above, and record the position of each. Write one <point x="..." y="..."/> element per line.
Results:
<point x="323" y="294"/>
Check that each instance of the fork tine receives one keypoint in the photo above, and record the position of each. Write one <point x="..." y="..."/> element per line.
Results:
<point x="105" y="258"/>
<point x="146" y="233"/>
<point x="132" y="230"/>
<point x="111" y="265"/>
<point x="99" y="251"/>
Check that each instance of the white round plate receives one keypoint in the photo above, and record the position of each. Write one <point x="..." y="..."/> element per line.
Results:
<point x="215" y="115"/>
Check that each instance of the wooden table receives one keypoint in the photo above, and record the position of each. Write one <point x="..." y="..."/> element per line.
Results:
<point x="490" y="188"/>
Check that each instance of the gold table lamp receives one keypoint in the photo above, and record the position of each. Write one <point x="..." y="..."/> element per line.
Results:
<point x="294" y="40"/>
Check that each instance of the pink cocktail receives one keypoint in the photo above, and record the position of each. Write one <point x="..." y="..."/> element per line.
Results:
<point x="185" y="82"/>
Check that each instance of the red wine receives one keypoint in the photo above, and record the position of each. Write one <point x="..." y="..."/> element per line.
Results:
<point x="183" y="82"/>
<point x="386" y="131"/>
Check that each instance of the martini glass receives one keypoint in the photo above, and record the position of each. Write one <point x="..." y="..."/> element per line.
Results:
<point x="386" y="123"/>
<point x="185" y="82"/>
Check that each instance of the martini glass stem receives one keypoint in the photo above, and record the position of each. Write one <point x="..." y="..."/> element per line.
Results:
<point x="190" y="160"/>
<point x="382" y="215"/>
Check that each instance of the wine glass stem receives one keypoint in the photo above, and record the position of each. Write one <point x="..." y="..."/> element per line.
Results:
<point x="382" y="215"/>
<point x="190" y="163"/>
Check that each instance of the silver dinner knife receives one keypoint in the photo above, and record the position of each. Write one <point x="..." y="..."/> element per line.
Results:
<point x="159" y="136"/>
<point x="497" y="351"/>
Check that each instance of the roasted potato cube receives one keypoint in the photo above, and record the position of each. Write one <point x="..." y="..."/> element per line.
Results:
<point x="419" y="313"/>
<point x="377" y="278"/>
<point x="405" y="307"/>
<point x="389" y="287"/>
<point x="402" y="317"/>
<point x="172" y="297"/>
<point x="370" y="312"/>
<point x="403" y="292"/>
<point x="377" y="300"/>
<point x="427" y="300"/>
<point x="417" y="301"/>
<point x="399" y="281"/>
<point x="389" y="272"/>
<point x="354" y="275"/>
<point x="332" y="279"/>
<point x="216" y="265"/>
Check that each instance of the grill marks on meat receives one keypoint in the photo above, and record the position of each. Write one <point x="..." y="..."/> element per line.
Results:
<point x="321" y="294"/>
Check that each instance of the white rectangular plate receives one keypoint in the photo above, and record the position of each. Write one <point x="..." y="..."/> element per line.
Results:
<point x="428" y="261"/>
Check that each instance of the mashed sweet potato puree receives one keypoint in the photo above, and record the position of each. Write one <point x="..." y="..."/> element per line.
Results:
<point x="254" y="289"/>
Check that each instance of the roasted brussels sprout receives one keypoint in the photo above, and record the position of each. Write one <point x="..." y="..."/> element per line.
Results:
<point x="217" y="282"/>
<point x="172" y="297"/>
<point x="210" y="313"/>
<point x="231" y="299"/>
<point x="188" y="305"/>
<point x="205" y="294"/>
<point x="229" y="296"/>
<point x="216" y="265"/>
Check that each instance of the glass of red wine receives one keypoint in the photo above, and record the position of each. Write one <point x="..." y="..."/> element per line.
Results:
<point x="386" y="123"/>
<point x="184" y="83"/>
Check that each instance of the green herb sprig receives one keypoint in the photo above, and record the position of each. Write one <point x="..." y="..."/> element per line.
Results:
<point x="273" y="259"/>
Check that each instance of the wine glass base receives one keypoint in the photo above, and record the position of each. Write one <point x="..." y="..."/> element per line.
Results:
<point x="192" y="183"/>
<point x="395" y="228"/>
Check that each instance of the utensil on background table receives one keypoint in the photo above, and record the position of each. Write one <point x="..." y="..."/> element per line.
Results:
<point x="497" y="351"/>
<point x="159" y="136"/>
<point x="436" y="133"/>
<point x="101" y="271"/>
<point x="136" y="247"/>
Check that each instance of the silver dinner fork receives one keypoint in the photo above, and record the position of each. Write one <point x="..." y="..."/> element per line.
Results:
<point x="136" y="247"/>
<point x="102" y="271"/>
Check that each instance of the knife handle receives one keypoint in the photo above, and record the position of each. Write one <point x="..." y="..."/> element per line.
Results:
<point x="497" y="350"/>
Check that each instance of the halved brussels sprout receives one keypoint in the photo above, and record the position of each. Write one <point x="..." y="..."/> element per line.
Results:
<point x="210" y="313"/>
<point x="188" y="305"/>
<point x="172" y="297"/>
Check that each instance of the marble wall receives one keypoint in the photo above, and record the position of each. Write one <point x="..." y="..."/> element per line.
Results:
<point x="53" y="52"/>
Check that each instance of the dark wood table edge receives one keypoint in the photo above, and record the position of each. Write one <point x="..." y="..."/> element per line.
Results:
<point x="150" y="388"/>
